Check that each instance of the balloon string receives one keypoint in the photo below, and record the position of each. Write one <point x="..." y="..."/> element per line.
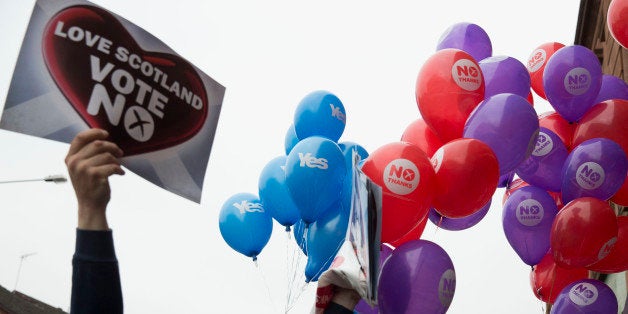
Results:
<point x="296" y="273"/>
<point x="265" y="281"/>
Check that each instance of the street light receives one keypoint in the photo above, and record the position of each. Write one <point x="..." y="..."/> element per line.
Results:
<point x="22" y="257"/>
<point x="56" y="178"/>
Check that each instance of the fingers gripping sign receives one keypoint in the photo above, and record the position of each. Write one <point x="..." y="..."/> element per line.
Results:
<point x="91" y="160"/>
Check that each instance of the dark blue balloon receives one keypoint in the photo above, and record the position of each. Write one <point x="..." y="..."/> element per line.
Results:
<point x="274" y="193"/>
<point x="527" y="220"/>
<point x="595" y="168"/>
<point x="324" y="238"/>
<point x="291" y="139"/>
<point x="315" y="172"/>
<point x="320" y="113"/>
<point x="244" y="224"/>
<point x="544" y="166"/>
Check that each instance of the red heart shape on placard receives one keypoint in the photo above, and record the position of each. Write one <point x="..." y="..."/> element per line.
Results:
<point x="146" y="100"/>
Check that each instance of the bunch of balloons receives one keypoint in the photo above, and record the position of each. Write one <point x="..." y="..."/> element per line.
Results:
<point x="558" y="214"/>
<point x="478" y="131"/>
<point x="308" y="187"/>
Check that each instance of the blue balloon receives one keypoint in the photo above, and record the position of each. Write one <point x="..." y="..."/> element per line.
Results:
<point x="244" y="224"/>
<point x="315" y="172"/>
<point x="595" y="168"/>
<point x="320" y="113"/>
<point x="275" y="195"/>
<point x="299" y="235"/>
<point x="324" y="238"/>
<point x="347" y="150"/>
<point x="291" y="139"/>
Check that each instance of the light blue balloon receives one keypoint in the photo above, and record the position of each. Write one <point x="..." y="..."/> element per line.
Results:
<point x="274" y="193"/>
<point x="324" y="238"/>
<point x="320" y="113"/>
<point x="291" y="139"/>
<point x="315" y="171"/>
<point x="244" y="224"/>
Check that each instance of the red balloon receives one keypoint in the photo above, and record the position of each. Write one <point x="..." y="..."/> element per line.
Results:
<point x="617" y="259"/>
<point x="554" y="122"/>
<point x="606" y="119"/>
<point x="530" y="98"/>
<point x="414" y="234"/>
<point x="421" y="135"/>
<point x="536" y="64"/>
<point x="547" y="279"/>
<point x="449" y="86"/>
<point x="583" y="232"/>
<point x="616" y="18"/>
<point x="467" y="172"/>
<point x="406" y="177"/>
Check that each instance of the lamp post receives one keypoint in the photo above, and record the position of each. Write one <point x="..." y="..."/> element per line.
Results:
<point x="57" y="178"/>
<point x="22" y="257"/>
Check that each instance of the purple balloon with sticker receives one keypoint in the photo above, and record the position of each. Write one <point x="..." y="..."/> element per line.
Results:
<point x="457" y="224"/>
<point x="585" y="296"/>
<point x="572" y="80"/>
<point x="468" y="37"/>
<point x="504" y="74"/>
<point x="612" y="88"/>
<point x="418" y="277"/>
<point x="544" y="166"/>
<point x="508" y="125"/>
<point x="595" y="168"/>
<point x="527" y="219"/>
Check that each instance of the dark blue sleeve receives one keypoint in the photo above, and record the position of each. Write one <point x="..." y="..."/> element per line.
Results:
<point x="95" y="275"/>
<point x="334" y="308"/>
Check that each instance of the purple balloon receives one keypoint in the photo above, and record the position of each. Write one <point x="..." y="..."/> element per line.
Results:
<point x="508" y="125"/>
<point x="503" y="74"/>
<point x="527" y="219"/>
<point x="544" y="166"/>
<point x="468" y="37"/>
<point x="457" y="224"/>
<point x="418" y="277"/>
<point x="505" y="179"/>
<point x="612" y="88"/>
<point x="596" y="168"/>
<point x="585" y="296"/>
<point x="572" y="79"/>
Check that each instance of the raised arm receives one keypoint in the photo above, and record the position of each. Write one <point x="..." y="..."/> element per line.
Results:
<point x="96" y="288"/>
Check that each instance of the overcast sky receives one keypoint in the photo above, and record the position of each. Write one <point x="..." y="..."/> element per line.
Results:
<point x="268" y="55"/>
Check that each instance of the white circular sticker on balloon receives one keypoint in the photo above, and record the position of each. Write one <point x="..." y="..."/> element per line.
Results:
<point x="529" y="212"/>
<point x="577" y="81"/>
<point x="536" y="60"/>
<point x="467" y="75"/>
<point x="583" y="294"/>
<point x="401" y="176"/>
<point x="437" y="159"/>
<point x="447" y="287"/>
<point x="590" y="175"/>
<point x="543" y="146"/>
